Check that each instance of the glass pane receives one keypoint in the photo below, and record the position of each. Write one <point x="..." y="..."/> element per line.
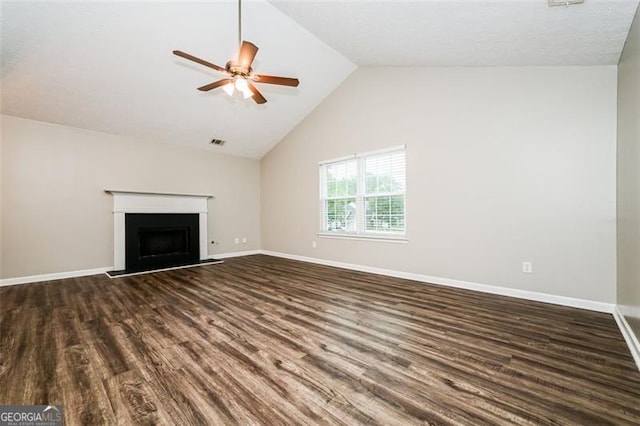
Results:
<point x="340" y="215"/>
<point x="385" y="214"/>
<point x="385" y="173"/>
<point x="341" y="178"/>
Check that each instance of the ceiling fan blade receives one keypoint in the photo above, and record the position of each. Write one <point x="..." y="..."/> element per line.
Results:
<point x="198" y="60"/>
<point x="248" y="51"/>
<point x="271" y="79"/>
<point x="215" y="84"/>
<point x="257" y="96"/>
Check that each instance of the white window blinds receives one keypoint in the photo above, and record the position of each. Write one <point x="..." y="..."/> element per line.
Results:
<point x="364" y="195"/>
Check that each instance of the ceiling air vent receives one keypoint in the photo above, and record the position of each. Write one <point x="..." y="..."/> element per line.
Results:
<point x="564" y="2"/>
<point x="218" y="142"/>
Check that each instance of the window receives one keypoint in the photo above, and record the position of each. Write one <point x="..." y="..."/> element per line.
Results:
<point x="364" y="195"/>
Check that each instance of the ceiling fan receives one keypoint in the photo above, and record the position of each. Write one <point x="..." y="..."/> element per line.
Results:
<point x="240" y="75"/>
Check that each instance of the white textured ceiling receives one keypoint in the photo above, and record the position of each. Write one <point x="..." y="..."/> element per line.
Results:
<point x="468" y="32"/>
<point x="108" y="66"/>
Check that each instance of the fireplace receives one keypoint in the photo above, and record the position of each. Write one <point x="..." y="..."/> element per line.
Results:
<point x="154" y="230"/>
<point x="154" y="241"/>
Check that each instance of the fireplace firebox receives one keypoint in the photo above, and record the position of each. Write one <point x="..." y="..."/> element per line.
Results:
<point x="161" y="240"/>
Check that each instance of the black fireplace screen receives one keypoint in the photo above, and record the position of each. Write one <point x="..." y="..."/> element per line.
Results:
<point x="160" y="240"/>
<point x="163" y="242"/>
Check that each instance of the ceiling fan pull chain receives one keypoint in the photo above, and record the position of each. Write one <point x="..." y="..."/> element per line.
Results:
<point x="239" y="24"/>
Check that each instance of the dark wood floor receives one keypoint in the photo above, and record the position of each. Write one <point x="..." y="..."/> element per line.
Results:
<point x="263" y="340"/>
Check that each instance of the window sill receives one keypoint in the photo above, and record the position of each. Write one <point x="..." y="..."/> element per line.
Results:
<point x="402" y="239"/>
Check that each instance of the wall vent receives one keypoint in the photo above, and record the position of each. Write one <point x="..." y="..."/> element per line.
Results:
<point x="218" y="142"/>
<point x="564" y="2"/>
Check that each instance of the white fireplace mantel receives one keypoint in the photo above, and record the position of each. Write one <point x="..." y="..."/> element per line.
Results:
<point x="154" y="202"/>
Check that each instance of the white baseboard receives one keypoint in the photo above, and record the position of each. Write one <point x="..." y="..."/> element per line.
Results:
<point x="95" y="271"/>
<point x="521" y="294"/>
<point x="233" y="254"/>
<point x="486" y="288"/>
<point x="628" y="334"/>
<point x="54" y="276"/>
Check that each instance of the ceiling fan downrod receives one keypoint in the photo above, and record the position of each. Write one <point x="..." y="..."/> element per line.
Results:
<point x="239" y="24"/>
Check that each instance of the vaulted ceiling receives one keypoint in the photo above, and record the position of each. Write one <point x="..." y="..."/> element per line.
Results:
<point x="432" y="33"/>
<point x="108" y="66"/>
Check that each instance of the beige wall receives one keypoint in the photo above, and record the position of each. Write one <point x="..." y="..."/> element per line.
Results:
<point x="504" y="165"/>
<point x="629" y="179"/>
<point x="56" y="216"/>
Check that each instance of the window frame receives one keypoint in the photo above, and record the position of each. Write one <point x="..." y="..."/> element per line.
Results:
<point x="360" y="197"/>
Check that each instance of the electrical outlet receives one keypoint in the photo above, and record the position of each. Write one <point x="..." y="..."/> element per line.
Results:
<point x="237" y="240"/>
<point x="244" y="241"/>
<point x="527" y="267"/>
<point x="314" y="244"/>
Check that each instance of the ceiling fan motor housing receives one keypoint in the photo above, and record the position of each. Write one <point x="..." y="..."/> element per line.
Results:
<point x="236" y="69"/>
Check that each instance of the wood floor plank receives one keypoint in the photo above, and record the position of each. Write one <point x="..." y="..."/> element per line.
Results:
<point x="84" y="396"/>
<point x="132" y="399"/>
<point x="270" y="341"/>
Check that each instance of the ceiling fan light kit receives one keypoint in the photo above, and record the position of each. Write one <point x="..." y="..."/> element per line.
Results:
<point x="241" y="85"/>
<point x="240" y="75"/>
